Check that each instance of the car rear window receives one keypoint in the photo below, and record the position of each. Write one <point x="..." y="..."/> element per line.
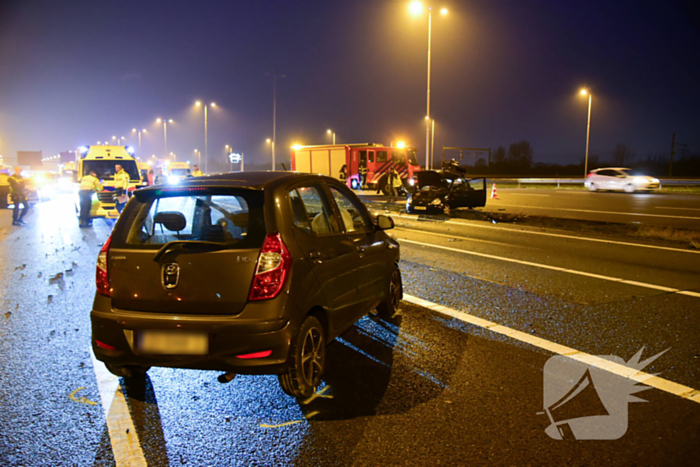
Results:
<point x="234" y="218"/>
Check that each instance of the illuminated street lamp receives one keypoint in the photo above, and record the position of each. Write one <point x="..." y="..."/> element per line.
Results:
<point x="588" y="131"/>
<point x="139" y="132"/>
<point x="119" y="140"/>
<point x="206" y="130"/>
<point x="331" y="132"/>
<point x="416" y="9"/>
<point x="165" y="133"/>
<point x="199" y="157"/>
<point x="174" y="156"/>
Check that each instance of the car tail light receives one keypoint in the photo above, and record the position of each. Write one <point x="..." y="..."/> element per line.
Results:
<point x="102" y="270"/>
<point x="273" y="267"/>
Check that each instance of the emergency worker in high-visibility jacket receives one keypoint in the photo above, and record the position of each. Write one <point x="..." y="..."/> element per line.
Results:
<point x="121" y="186"/>
<point x="89" y="184"/>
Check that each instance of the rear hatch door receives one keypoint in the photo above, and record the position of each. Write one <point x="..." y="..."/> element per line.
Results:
<point x="187" y="250"/>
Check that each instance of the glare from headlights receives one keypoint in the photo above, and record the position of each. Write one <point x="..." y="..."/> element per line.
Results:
<point x="655" y="180"/>
<point x="173" y="180"/>
<point x="639" y="180"/>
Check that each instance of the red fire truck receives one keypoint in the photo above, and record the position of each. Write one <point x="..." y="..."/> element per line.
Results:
<point x="344" y="162"/>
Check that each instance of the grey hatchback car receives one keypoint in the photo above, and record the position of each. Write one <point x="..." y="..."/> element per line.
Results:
<point x="244" y="273"/>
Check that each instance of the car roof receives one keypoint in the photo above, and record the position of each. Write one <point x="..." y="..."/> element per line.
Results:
<point x="257" y="180"/>
<point x="611" y="168"/>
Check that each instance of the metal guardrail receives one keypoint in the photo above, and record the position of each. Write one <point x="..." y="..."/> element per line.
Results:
<point x="569" y="181"/>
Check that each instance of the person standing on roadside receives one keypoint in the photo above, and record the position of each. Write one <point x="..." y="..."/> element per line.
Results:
<point x="89" y="184"/>
<point x="196" y="172"/>
<point x="393" y="184"/>
<point x="160" y="178"/>
<point x="150" y="177"/>
<point x="121" y="187"/>
<point x="18" y="195"/>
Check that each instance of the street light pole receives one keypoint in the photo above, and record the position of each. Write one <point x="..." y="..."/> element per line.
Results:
<point x="165" y="134"/>
<point x="432" y="145"/>
<point x="588" y="130"/>
<point x="416" y="8"/>
<point x="274" y="118"/>
<point x="206" y="141"/>
<point x="206" y="134"/>
<point x="331" y="132"/>
<point x="139" y="133"/>
<point x="427" y="113"/>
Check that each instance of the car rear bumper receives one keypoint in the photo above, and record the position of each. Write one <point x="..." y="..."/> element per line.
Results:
<point x="227" y="337"/>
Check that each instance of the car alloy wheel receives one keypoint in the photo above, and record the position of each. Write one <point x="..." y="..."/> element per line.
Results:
<point x="593" y="187"/>
<point x="308" y="360"/>
<point x="629" y="188"/>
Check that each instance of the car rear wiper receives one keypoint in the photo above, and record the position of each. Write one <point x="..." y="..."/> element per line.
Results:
<point x="194" y="245"/>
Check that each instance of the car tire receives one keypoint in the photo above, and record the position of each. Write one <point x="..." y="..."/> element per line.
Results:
<point x="390" y="306"/>
<point x="128" y="371"/>
<point x="629" y="188"/>
<point x="593" y="187"/>
<point x="308" y="360"/>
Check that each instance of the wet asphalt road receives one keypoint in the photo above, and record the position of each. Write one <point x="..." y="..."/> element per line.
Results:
<point x="662" y="209"/>
<point x="419" y="388"/>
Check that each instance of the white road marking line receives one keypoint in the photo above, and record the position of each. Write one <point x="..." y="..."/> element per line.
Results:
<point x="600" y="212"/>
<point x="122" y="433"/>
<point x="462" y="238"/>
<point x="682" y="209"/>
<point x="547" y="234"/>
<point x="556" y="268"/>
<point x="662" y="384"/>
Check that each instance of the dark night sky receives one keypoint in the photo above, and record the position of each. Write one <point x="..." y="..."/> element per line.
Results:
<point x="73" y="73"/>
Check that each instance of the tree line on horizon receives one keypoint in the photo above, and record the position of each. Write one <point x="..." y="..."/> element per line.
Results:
<point x="518" y="159"/>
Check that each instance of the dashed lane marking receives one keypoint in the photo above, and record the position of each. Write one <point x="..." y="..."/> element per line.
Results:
<point x="122" y="433"/>
<point x="547" y="234"/>
<point x="556" y="268"/>
<point x="662" y="384"/>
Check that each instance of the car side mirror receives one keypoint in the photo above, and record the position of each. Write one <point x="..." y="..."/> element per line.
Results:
<point x="385" y="222"/>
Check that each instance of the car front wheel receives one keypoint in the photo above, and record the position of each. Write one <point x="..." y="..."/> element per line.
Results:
<point x="308" y="360"/>
<point x="629" y="188"/>
<point x="593" y="187"/>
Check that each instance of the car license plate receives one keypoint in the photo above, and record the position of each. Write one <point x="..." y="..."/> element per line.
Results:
<point x="173" y="343"/>
<point x="420" y="208"/>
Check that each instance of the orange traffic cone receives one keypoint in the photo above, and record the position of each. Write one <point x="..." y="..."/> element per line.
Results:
<point x="494" y="195"/>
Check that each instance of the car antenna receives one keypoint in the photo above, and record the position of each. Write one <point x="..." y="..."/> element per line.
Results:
<point x="285" y="168"/>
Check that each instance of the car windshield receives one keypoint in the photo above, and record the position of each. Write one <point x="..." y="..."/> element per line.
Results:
<point x="105" y="168"/>
<point x="231" y="218"/>
<point x="411" y="155"/>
